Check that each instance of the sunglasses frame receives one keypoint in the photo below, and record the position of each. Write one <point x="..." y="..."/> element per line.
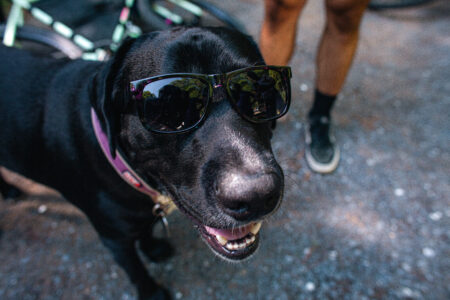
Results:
<point x="213" y="81"/>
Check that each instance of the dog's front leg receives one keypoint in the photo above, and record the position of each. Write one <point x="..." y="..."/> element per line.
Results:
<point x="119" y="229"/>
<point x="126" y="256"/>
<point x="7" y="190"/>
<point x="156" y="249"/>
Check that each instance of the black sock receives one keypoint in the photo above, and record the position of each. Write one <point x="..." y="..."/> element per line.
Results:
<point x="322" y="104"/>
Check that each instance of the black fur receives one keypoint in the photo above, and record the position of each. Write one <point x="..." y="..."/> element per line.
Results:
<point x="46" y="134"/>
<point x="8" y="191"/>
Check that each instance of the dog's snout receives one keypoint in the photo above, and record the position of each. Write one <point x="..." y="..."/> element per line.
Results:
<point x="248" y="196"/>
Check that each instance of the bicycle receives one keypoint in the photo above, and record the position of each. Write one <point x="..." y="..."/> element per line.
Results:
<point x="387" y="4"/>
<point x="161" y="13"/>
<point x="59" y="40"/>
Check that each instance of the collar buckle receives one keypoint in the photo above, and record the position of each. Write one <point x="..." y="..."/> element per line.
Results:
<point x="159" y="212"/>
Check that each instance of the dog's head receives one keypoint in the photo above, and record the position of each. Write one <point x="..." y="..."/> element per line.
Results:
<point x="222" y="174"/>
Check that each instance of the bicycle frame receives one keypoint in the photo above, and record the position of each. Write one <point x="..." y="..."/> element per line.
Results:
<point x="172" y="18"/>
<point x="124" y="28"/>
<point x="16" y="19"/>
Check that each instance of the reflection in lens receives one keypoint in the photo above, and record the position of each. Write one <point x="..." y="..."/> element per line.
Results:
<point x="259" y="94"/>
<point x="173" y="104"/>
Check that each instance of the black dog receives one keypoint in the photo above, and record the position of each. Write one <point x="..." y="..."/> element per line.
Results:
<point x="221" y="173"/>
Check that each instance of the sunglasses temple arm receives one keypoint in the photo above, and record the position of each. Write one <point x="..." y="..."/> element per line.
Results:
<point x="274" y="124"/>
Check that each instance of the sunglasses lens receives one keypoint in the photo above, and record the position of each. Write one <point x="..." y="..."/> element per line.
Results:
<point x="259" y="94"/>
<point x="173" y="104"/>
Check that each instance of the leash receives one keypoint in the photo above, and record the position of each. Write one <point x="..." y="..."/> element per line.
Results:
<point x="163" y="205"/>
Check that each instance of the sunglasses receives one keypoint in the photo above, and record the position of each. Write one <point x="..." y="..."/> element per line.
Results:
<point x="176" y="103"/>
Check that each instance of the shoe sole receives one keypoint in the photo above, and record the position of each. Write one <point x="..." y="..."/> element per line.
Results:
<point x="317" y="166"/>
<point x="320" y="167"/>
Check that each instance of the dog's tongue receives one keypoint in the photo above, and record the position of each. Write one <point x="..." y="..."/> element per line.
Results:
<point x="231" y="234"/>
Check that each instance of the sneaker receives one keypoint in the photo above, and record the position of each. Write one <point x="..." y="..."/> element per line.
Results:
<point x="322" y="153"/>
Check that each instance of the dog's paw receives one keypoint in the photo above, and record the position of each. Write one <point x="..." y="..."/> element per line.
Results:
<point x="160" y="294"/>
<point x="157" y="250"/>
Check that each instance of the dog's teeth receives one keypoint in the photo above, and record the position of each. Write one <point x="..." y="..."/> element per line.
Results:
<point x="250" y="240"/>
<point x="255" y="229"/>
<point x="237" y="246"/>
<point x="240" y="243"/>
<point x="223" y="241"/>
<point x="230" y="246"/>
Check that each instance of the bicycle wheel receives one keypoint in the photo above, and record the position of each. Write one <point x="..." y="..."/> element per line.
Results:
<point x="162" y="14"/>
<point x="45" y="42"/>
<point x="2" y="16"/>
<point x="386" y="4"/>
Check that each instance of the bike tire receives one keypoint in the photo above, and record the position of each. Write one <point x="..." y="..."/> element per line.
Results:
<point x="388" y="4"/>
<point x="216" y="16"/>
<point x="220" y="14"/>
<point x="2" y="15"/>
<point x="43" y="41"/>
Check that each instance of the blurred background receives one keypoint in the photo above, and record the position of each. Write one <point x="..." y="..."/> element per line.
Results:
<point x="377" y="228"/>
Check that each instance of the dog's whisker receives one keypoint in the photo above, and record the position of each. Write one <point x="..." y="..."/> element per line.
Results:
<point x="293" y="180"/>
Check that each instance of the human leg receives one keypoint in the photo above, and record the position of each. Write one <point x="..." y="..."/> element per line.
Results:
<point x="279" y="29"/>
<point x="338" y="43"/>
<point x="334" y="58"/>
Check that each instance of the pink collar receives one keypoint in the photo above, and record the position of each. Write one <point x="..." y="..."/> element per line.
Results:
<point x="163" y="204"/>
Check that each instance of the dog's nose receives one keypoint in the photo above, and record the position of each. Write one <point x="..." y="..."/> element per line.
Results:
<point x="248" y="196"/>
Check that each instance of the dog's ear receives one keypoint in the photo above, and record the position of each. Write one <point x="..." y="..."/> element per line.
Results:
<point x="109" y="94"/>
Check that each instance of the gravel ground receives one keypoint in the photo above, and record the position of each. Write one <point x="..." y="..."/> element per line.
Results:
<point x="378" y="228"/>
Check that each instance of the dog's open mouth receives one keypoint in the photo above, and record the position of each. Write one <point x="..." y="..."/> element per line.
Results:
<point x="236" y="243"/>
